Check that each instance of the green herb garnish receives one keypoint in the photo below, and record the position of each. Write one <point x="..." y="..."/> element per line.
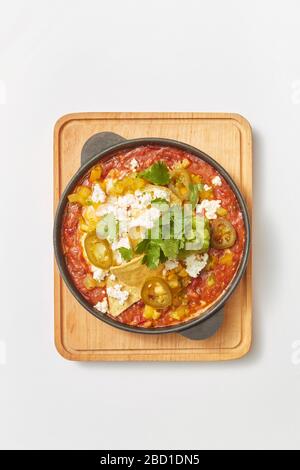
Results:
<point x="157" y="173"/>
<point x="152" y="256"/>
<point x="126" y="253"/>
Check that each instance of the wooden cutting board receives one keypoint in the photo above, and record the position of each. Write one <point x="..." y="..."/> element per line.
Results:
<point x="80" y="336"/>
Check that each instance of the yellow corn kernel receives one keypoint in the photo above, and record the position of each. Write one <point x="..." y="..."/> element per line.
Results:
<point x="211" y="280"/>
<point x="150" y="313"/>
<point x="117" y="189"/>
<point x="179" y="313"/>
<point x="96" y="173"/>
<point x="171" y="275"/>
<point x="84" y="227"/>
<point x="182" y="273"/>
<point x="139" y="183"/>
<point x="206" y="195"/>
<point x="174" y="283"/>
<point x="196" y="179"/>
<point x="76" y="198"/>
<point x="89" y="215"/>
<point x="222" y="212"/>
<point x="212" y="262"/>
<point x="84" y="191"/>
<point x="183" y="191"/>
<point x="227" y="258"/>
<point x="102" y="185"/>
<point x="90" y="282"/>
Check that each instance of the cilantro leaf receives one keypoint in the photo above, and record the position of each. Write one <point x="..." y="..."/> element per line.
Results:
<point x="126" y="253"/>
<point x="157" y="173"/>
<point x="158" y="250"/>
<point x="170" y="248"/>
<point x="152" y="256"/>
<point x="142" y="246"/>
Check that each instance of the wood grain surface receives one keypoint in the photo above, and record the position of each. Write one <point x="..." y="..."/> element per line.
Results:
<point x="80" y="336"/>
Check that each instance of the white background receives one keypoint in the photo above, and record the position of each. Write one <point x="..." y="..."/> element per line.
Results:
<point x="58" y="57"/>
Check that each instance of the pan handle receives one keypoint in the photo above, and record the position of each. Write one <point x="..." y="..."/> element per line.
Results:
<point x="206" y="328"/>
<point x="97" y="143"/>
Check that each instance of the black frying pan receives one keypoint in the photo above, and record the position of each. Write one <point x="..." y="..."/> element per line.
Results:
<point x="100" y="147"/>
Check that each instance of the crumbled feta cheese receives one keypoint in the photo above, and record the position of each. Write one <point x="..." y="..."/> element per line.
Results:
<point x="138" y="200"/>
<point x="142" y="201"/>
<point x="206" y="187"/>
<point x="98" y="274"/>
<point x="171" y="264"/>
<point x="126" y="201"/>
<point x="123" y="242"/>
<point x="161" y="194"/>
<point x="195" y="264"/>
<point x="216" y="181"/>
<point x="134" y="164"/>
<point x="102" y="306"/>
<point x="112" y="277"/>
<point x="105" y="209"/>
<point x="98" y="195"/>
<point x="209" y="208"/>
<point x="116" y="292"/>
<point x="146" y="219"/>
<point x="120" y="213"/>
<point x="109" y="182"/>
<point x="118" y="258"/>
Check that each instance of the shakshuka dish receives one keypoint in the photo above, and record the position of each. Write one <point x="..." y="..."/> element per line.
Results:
<point x="152" y="236"/>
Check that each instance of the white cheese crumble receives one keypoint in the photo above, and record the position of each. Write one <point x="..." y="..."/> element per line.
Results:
<point x="112" y="277"/>
<point x="116" y="292"/>
<point x="98" y="274"/>
<point x="123" y="242"/>
<point x="142" y="200"/>
<point x="134" y="164"/>
<point x="216" y="181"/>
<point x="160" y="194"/>
<point x="171" y="264"/>
<point x="109" y="182"/>
<point x="195" y="264"/>
<point x="209" y="208"/>
<point x="146" y="219"/>
<point x="206" y="187"/>
<point x="98" y="195"/>
<point x="102" y="306"/>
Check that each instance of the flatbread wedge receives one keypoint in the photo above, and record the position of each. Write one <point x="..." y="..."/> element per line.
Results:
<point x="131" y="276"/>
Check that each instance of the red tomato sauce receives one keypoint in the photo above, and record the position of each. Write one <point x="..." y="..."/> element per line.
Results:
<point x="199" y="294"/>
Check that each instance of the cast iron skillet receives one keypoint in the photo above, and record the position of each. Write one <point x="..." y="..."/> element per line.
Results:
<point x="102" y="146"/>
